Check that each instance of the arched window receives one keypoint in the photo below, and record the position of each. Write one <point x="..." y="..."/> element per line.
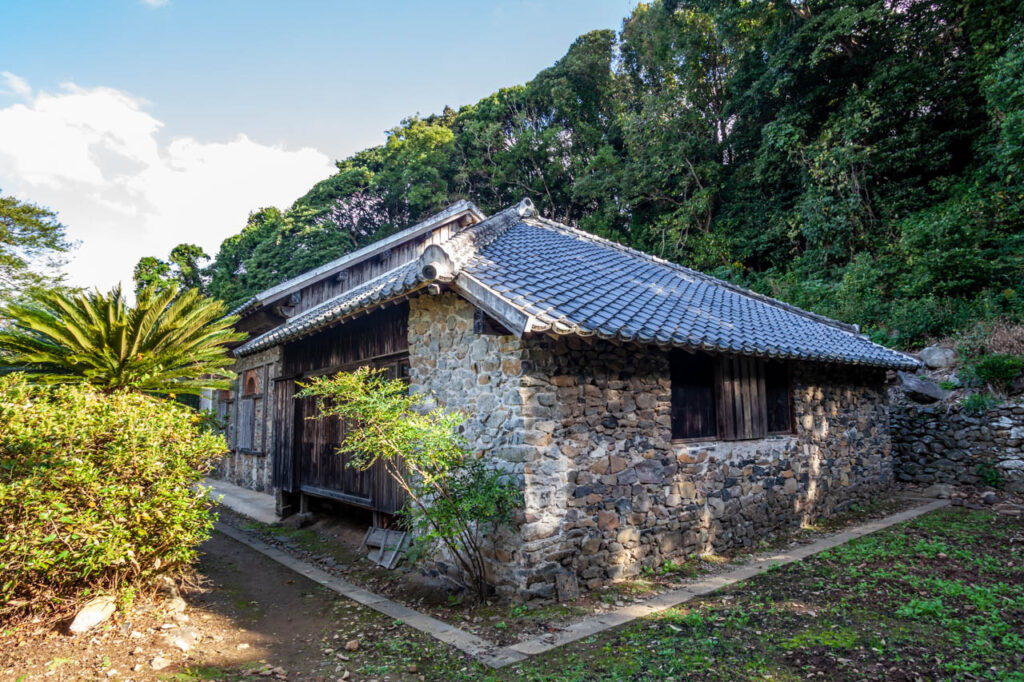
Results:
<point x="252" y="383"/>
<point x="250" y="414"/>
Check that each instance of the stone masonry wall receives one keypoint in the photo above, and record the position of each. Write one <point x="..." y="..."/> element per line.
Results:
<point x="480" y="375"/>
<point x="609" y="492"/>
<point x="943" y="444"/>
<point x="585" y="428"/>
<point x="252" y="470"/>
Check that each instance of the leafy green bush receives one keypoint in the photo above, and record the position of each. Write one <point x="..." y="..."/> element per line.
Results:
<point x="98" y="490"/>
<point x="999" y="370"/>
<point x="989" y="475"/>
<point x="455" y="500"/>
<point x="978" y="404"/>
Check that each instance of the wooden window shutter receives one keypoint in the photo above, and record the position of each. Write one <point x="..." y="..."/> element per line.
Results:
<point x="741" y="398"/>
<point x="246" y="423"/>
<point x="693" y="395"/>
<point x="777" y="397"/>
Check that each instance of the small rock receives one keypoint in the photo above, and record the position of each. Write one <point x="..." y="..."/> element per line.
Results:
<point x="137" y="668"/>
<point x="159" y="663"/>
<point x="990" y="498"/>
<point x="412" y="668"/>
<point x="242" y="646"/>
<point x="112" y="672"/>
<point x="297" y="521"/>
<point x="352" y="645"/>
<point x="92" y="614"/>
<point x="138" y="651"/>
<point x="942" y="491"/>
<point x="175" y="605"/>
<point x="167" y="587"/>
<point x="182" y="639"/>
<point x="180" y="618"/>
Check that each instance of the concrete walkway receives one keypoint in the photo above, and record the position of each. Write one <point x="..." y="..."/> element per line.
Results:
<point x="257" y="506"/>
<point x="497" y="656"/>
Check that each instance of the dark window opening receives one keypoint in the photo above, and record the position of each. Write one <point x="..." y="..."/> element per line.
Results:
<point x="777" y="397"/>
<point x="693" y="396"/>
<point x="252" y="383"/>
<point x="729" y="398"/>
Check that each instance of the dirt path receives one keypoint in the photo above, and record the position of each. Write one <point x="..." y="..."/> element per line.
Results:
<point x="253" y="618"/>
<point x="280" y="615"/>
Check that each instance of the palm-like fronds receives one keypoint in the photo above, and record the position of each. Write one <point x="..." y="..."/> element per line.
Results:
<point x="167" y="343"/>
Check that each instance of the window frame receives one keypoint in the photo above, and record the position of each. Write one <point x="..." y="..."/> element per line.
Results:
<point x="247" y="398"/>
<point x="726" y="396"/>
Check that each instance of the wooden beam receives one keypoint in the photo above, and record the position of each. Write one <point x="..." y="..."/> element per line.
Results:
<point x="514" y="320"/>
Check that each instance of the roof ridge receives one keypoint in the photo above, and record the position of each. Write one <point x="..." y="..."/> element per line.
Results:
<point x="352" y="256"/>
<point x="307" y="320"/>
<point x="696" y="274"/>
<point x="463" y="245"/>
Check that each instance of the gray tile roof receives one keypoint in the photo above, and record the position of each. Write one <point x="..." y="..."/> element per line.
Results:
<point x="570" y="282"/>
<point x="350" y="259"/>
<point x="391" y="284"/>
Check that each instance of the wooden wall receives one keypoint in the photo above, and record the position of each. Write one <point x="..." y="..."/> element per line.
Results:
<point x="330" y="286"/>
<point x="382" y="332"/>
<point x="307" y="459"/>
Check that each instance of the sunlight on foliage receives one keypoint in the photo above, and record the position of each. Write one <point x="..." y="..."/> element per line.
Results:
<point x="455" y="500"/>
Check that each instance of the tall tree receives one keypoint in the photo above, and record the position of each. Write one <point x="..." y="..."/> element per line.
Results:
<point x="860" y="158"/>
<point x="184" y="268"/>
<point x="32" y="246"/>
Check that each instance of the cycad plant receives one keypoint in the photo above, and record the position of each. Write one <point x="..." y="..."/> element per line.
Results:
<point x="167" y="343"/>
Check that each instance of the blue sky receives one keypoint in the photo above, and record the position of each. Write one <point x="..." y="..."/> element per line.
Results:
<point x="146" y="123"/>
<point x="333" y="75"/>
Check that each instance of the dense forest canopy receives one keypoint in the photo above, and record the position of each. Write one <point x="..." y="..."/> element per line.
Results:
<point x="862" y="159"/>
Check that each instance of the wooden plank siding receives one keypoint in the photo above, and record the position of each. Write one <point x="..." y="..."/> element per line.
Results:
<point x="283" y="474"/>
<point x="331" y="285"/>
<point x="308" y="461"/>
<point x="741" y="399"/>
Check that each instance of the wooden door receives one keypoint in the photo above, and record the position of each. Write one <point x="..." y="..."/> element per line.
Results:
<point x="283" y="472"/>
<point x="326" y="471"/>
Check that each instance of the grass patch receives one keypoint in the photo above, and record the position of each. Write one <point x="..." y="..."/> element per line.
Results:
<point x="940" y="597"/>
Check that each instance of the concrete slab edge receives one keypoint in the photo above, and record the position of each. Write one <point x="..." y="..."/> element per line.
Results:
<point x="487" y="653"/>
<point x="496" y="656"/>
<point x="596" y="624"/>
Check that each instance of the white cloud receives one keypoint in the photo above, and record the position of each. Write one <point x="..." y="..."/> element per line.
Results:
<point x="15" y="84"/>
<point x="95" y="156"/>
<point x="155" y="3"/>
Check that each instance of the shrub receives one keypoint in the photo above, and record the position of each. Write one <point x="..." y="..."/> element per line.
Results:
<point x="999" y="370"/>
<point x="98" y="490"/>
<point x="454" y="499"/>
<point x="990" y="475"/>
<point x="978" y="404"/>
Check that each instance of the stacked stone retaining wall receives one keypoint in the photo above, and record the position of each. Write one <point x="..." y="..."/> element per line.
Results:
<point x="943" y="444"/>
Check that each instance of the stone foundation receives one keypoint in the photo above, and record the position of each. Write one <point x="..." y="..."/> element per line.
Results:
<point x="943" y="444"/>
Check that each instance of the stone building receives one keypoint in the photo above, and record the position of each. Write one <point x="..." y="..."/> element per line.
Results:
<point x="647" y="410"/>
